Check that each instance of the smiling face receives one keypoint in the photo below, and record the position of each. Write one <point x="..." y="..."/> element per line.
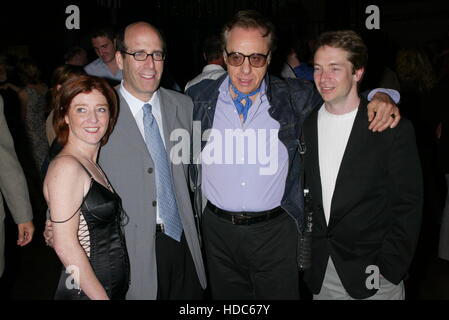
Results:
<point x="334" y="76"/>
<point x="104" y="48"/>
<point x="245" y="77"/>
<point x="141" y="78"/>
<point x="88" y="118"/>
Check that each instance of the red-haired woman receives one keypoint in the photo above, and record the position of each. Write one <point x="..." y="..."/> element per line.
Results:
<point x="86" y="212"/>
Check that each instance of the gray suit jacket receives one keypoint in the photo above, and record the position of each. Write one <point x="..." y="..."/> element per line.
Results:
<point x="12" y="185"/>
<point x="127" y="162"/>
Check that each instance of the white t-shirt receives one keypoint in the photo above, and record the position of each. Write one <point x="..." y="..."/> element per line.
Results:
<point x="333" y="136"/>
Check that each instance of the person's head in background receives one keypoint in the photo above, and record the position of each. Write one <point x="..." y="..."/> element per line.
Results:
<point x="299" y="48"/>
<point x="103" y="42"/>
<point x="28" y="72"/>
<point x="76" y="56"/>
<point x="296" y="61"/>
<point x="414" y="69"/>
<point x="213" y="50"/>
<point x="63" y="73"/>
<point x="60" y="75"/>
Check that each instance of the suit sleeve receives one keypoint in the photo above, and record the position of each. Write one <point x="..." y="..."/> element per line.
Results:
<point x="12" y="180"/>
<point x="406" y="191"/>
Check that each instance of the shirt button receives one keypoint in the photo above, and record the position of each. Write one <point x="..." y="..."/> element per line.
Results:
<point x="150" y="170"/>
<point x="154" y="203"/>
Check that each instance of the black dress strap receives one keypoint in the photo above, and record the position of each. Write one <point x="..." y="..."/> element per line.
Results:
<point x="85" y="169"/>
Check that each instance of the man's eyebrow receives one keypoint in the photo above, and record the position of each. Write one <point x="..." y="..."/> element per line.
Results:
<point x="331" y="64"/>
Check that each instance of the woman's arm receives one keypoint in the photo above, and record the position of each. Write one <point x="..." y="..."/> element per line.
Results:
<point x="65" y="185"/>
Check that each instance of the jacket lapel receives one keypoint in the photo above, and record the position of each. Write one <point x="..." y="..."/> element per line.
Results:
<point x="169" y="112"/>
<point x="127" y="123"/>
<point x="313" y="177"/>
<point x="352" y="154"/>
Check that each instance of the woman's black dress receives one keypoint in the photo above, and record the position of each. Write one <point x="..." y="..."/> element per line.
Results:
<point x="100" y="234"/>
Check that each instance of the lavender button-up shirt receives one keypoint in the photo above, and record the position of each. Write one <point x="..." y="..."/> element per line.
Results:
<point x="244" y="165"/>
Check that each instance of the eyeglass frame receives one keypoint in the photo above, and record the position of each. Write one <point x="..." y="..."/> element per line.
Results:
<point x="164" y="54"/>
<point x="248" y="56"/>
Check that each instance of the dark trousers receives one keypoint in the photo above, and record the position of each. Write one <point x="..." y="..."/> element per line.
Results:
<point x="254" y="262"/>
<point x="176" y="273"/>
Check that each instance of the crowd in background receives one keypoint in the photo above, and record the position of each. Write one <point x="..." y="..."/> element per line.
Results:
<point x="421" y="74"/>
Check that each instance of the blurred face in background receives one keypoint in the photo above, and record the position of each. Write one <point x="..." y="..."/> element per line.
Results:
<point x="79" y="59"/>
<point x="104" y="48"/>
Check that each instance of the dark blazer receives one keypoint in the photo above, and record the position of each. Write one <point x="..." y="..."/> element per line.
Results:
<point x="376" y="207"/>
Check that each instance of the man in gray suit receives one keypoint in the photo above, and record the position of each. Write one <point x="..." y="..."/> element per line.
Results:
<point x="14" y="188"/>
<point x="161" y="267"/>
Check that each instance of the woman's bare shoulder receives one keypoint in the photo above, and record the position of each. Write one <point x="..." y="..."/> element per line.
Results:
<point x="66" y="168"/>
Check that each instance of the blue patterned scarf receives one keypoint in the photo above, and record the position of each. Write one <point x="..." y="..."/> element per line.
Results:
<point x="243" y="109"/>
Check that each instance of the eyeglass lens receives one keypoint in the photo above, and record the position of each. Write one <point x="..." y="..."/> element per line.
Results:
<point x="256" y="60"/>
<point x="142" y="55"/>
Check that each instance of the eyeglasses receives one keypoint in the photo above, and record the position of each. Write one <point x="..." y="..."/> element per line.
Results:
<point x="257" y="60"/>
<point x="142" y="55"/>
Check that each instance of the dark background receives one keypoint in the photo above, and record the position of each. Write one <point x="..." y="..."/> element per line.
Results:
<point x="37" y="28"/>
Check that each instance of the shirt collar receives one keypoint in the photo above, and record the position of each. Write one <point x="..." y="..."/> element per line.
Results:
<point x="136" y="104"/>
<point x="224" y="90"/>
<point x="224" y="87"/>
